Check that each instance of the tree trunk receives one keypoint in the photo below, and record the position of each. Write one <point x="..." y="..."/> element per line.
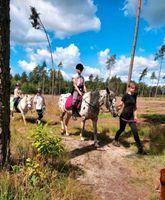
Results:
<point x="4" y="82"/>
<point x="160" y="69"/>
<point x="134" y="42"/>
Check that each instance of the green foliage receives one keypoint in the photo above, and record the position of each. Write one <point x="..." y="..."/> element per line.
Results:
<point x="144" y="131"/>
<point x="154" y="118"/>
<point x="46" y="145"/>
<point x="105" y="116"/>
<point x="34" y="171"/>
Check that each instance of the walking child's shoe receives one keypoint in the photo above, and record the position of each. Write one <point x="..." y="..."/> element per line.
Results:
<point x="115" y="143"/>
<point x="141" y="151"/>
<point x="38" y="121"/>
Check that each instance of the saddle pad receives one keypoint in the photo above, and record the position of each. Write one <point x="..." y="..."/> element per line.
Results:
<point x="68" y="102"/>
<point x="11" y="104"/>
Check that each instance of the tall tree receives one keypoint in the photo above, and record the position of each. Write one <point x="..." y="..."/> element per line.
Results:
<point x="134" y="41"/>
<point x="109" y="64"/>
<point x="142" y="75"/>
<point x="4" y="82"/>
<point x="153" y="77"/>
<point x="159" y="55"/>
<point x="37" y="24"/>
<point x="24" y="77"/>
<point x="44" y="66"/>
<point x="59" y="75"/>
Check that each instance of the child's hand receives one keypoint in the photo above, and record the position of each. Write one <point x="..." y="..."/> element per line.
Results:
<point x="136" y="119"/>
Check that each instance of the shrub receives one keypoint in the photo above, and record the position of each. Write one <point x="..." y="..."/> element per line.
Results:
<point x="46" y="146"/>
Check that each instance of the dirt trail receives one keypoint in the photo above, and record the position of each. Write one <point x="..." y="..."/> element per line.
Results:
<point x="107" y="169"/>
<point x="112" y="171"/>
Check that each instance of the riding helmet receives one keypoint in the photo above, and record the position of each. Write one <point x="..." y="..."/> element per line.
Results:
<point x="80" y="67"/>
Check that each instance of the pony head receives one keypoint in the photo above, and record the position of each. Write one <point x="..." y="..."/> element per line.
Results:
<point x="29" y="101"/>
<point x="111" y="102"/>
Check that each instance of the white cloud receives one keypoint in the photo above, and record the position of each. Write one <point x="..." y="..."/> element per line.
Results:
<point x="26" y="66"/>
<point x="67" y="76"/>
<point x="69" y="57"/>
<point x="153" y="11"/>
<point x="121" y="67"/>
<point x="64" y="18"/>
<point x="102" y="55"/>
<point x="88" y="70"/>
<point x="130" y="7"/>
<point x="21" y="29"/>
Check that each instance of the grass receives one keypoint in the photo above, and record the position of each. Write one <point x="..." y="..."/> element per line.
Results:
<point x="61" y="182"/>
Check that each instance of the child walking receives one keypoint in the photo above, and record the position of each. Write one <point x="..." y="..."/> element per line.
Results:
<point x="39" y="104"/>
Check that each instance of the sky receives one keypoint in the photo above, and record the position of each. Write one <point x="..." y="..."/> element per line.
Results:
<point x="88" y="32"/>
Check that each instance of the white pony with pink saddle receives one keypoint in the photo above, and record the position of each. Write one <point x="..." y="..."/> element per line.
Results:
<point x="90" y="107"/>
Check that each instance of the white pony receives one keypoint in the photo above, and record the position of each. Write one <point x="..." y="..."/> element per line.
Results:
<point x="90" y="107"/>
<point x="23" y="106"/>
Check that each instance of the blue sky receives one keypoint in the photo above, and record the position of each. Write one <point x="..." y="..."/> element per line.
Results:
<point x="88" y="31"/>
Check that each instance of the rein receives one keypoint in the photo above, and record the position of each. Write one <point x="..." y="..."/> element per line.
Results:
<point x="90" y="104"/>
<point x="94" y="106"/>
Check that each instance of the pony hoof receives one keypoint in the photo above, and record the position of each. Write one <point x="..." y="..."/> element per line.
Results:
<point x="82" y="138"/>
<point x="67" y="134"/>
<point x="96" y="145"/>
<point x="62" y="132"/>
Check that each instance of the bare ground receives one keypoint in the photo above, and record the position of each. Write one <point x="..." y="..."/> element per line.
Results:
<point x="107" y="169"/>
<point x="111" y="171"/>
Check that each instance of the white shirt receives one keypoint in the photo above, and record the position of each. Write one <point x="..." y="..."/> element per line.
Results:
<point x="17" y="92"/>
<point x="79" y="79"/>
<point x="39" y="101"/>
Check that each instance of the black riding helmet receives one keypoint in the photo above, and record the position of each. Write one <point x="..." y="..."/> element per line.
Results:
<point x="80" y="67"/>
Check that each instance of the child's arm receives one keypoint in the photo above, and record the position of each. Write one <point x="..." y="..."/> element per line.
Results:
<point x="75" y="86"/>
<point x="120" y="105"/>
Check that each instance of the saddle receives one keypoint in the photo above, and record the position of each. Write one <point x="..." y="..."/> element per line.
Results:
<point x="68" y="103"/>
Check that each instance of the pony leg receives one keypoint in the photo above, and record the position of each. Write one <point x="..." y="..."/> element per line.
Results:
<point x="68" y="116"/>
<point x="11" y="113"/>
<point x="62" y="122"/>
<point x="94" y="121"/>
<point x="82" y="129"/>
<point x="23" y="116"/>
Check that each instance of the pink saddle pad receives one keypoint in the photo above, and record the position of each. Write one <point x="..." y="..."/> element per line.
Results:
<point x="68" y="102"/>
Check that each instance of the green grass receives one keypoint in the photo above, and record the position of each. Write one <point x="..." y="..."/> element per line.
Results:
<point x="105" y="116"/>
<point x="61" y="183"/>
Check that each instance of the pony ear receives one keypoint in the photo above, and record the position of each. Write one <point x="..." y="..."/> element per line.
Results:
<point x="108" y="92"/>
